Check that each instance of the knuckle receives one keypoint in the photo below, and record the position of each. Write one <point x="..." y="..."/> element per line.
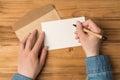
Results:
<point x="32" y="56"/>
<point x="33" y="51"/>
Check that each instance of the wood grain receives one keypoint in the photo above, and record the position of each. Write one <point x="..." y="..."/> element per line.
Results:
<point x="63" y="64"/>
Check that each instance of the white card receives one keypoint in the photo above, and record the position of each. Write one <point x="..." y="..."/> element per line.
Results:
<point x="60" y="33"/>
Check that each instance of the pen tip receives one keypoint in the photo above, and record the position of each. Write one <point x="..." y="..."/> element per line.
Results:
<point x="74" y="25"/>
<point x="104" y="38"/>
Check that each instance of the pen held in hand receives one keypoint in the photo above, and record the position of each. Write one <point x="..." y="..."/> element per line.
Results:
<point x="93" y="33"/>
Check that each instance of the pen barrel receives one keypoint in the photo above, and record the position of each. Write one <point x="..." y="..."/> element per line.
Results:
<point x="92" y="33"/>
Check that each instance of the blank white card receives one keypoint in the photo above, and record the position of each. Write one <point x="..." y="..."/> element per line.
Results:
<point x="60" y="33"/>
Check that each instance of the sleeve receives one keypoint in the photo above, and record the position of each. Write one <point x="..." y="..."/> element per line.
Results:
<point x="98" y="68"/>
<point x="20" y="77"/>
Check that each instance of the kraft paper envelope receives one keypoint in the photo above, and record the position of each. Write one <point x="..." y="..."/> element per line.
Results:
<point x="33" y="19"/>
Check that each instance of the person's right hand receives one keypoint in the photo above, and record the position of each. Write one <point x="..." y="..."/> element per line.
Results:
<point x="90" y="43"/>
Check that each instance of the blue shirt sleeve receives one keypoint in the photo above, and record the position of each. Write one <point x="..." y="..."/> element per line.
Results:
<point x="20" y="77"/>
<point x="98" y="68"/>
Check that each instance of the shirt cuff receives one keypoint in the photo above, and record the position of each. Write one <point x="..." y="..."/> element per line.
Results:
<point x="20" y="77"/>
<point x="97" y="64"/>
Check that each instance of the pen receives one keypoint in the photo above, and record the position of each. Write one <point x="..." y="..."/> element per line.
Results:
<point x="93" y="33"/>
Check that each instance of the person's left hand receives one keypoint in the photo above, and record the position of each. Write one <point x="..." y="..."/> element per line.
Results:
<point x="31" y="55"/>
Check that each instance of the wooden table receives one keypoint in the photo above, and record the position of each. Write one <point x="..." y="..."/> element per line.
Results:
<point x="64" y="64"/>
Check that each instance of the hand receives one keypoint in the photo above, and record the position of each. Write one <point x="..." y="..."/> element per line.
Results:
<point x="30" y="58"/>
<point x="90" y="43"/>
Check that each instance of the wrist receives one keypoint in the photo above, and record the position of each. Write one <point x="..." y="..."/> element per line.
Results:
<point x="26" y="75"/>
<point x="21" y="77"/>
<point x="90" y="55"/>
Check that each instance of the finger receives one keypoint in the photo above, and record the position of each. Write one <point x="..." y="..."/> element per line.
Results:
<point x="76" y="37"/>
<point x="23" y="42"/>
<point x="38" y="44"/>
<point x="92" y="26"/>
<point x="75" y="32"/>
<point x="43" y="55"/>
<point x="79" y="30"/>
<point x="79" y="41"/>
<point x="88" y="23"/>
<point x="31" y="40"/>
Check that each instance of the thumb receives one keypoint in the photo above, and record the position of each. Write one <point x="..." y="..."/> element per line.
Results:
<point x="79" y="29"/>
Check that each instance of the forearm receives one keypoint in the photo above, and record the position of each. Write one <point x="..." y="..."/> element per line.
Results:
<point x="98" y="68"/>
<point x="20" y="77"/>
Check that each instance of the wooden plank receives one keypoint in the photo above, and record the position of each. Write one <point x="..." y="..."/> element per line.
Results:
<point x="63" y="64"/>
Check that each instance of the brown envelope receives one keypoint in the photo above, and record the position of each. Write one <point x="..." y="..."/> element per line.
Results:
<point x="33" y="19"/>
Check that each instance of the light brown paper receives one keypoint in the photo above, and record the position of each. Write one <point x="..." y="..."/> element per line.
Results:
<point x="32" y="20"/>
